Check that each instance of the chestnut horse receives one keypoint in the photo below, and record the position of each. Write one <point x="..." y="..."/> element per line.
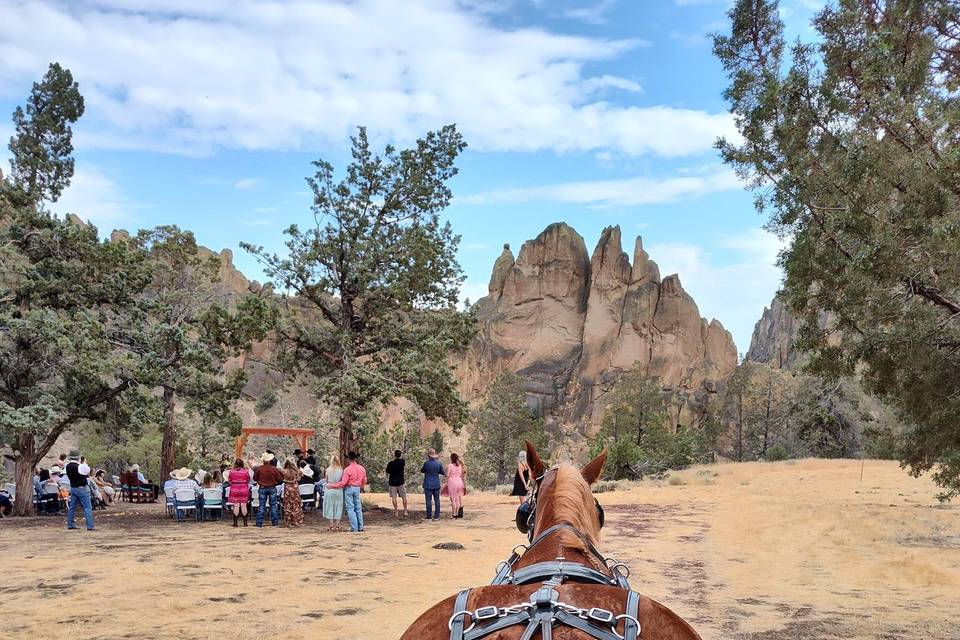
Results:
<point x="561" y="587"/>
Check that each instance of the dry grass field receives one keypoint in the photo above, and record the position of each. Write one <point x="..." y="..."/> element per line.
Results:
<point x="797" y="550"/>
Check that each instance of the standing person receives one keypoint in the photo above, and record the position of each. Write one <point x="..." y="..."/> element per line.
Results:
<point x="397" y="482"/>
<point x="432" y="470"/>
<point x="354" y="477"/>
<point x="312" y="459"/>
<point x="78" y="474"/>
<point x="292" y="507"/>
<point x="333" y="498"/>
<point x="521" y="481"/>
<point x="269" y="478"/>
<point x="239" y="479"/>
<point x="456" y="484"/>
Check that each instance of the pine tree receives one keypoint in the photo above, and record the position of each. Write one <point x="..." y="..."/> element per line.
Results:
<point x="499" y="429"/>
<point x="374" y="285"/>
<point x="850" y="144"/>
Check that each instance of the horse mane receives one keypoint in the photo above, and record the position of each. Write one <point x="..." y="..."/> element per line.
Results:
<point x="569" y="500"/>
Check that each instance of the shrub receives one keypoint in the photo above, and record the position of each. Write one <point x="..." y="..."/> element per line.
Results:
<point x="776" y="453"/>
<point x="675" y="481"/>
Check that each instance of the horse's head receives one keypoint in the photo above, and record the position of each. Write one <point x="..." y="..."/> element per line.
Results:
<point x="562" y="494"/>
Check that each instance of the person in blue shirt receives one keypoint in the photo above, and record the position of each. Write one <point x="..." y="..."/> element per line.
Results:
<point x="432" y="470"/>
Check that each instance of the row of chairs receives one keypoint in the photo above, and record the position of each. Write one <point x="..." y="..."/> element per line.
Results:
<point x="213" y="499"/>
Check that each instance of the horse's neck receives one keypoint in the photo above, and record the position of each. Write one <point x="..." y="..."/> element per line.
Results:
<point x="562" y="543"/>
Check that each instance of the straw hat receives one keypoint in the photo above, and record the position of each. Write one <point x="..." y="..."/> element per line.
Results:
<point x="267" y="457"/>
<point x="135" y="467"/>
<point x="181" y="474"/>
<point x="307" y="471"/>
<point x="56" y="469"/>
<point x="201" y="476"/>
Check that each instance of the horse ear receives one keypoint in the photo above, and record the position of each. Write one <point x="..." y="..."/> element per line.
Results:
<point x="591" y="472"/>
<point x="536" y="464"/>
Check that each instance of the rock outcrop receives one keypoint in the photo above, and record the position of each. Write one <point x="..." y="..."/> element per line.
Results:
<point x="775" y="336"/>
<point x="570" y="325"/>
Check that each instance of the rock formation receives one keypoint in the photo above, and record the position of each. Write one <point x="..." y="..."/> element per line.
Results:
<point x="570" y="325"/>
<point x="775" y="336"/>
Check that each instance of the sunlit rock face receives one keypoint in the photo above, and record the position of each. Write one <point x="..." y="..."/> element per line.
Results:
<point x="570" y="324"/>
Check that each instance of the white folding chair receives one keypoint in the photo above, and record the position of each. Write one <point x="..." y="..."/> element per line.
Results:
<point x="170" y="501"/>
<point x="186" y="500"/>
<point x="254" y="497"/>
<point x="308" y="496"/>
<point x="212" y="501"/>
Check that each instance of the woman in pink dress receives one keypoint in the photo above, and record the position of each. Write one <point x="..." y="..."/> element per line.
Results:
<point x="239" y="479"/>
<point x="456" y="484"/>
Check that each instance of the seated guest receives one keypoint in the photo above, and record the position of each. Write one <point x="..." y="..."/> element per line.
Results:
<point x="217" y="478"/>
<point x="59" y="478"/>
<point x="184" y="481"/>
<point x="306" y="472"/>
<point x="6" y="504"/>
<point x="106" y="488"/>
<point x="170" y="484"/>
<point x="97" y="500"/>
<point x="144" y="483"/>
<point x="38" y="478"/>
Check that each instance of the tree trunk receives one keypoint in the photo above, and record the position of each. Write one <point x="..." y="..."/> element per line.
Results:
<point x="25" y="463"/>
<point x="168" y="448"/>
<point x="348" y="439"/>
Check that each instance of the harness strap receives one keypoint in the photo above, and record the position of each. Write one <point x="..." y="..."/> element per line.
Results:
<point x="542" y="570"/>
<point x="578" y="623"/>
<point x="500" y="623"/>
<point x="631" y="622"/>
<point x="456" y="627"/>
<point x="563" y="525"/>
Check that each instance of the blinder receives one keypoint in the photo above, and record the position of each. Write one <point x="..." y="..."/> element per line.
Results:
<point x="527" y="511"/>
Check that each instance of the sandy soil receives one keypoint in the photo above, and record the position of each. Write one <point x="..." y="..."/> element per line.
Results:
<point x="754" y="551"/>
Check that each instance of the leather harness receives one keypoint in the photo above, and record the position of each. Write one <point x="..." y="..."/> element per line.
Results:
<point x="544" y="610"/>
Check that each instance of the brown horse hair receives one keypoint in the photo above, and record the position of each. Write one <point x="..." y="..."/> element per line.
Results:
<point x="566" y="497"/>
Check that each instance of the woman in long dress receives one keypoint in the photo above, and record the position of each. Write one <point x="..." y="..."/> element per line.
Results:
<point x="333" y="498"/>
<point x="239" y="498"/>
<point x="292" y="507"/>
<point x="521" y="481"/>
<point x="456" y="485"/>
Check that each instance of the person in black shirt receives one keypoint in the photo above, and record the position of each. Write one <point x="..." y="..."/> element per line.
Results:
<point x="397" y="482"/>
<point x="78" y="471"/>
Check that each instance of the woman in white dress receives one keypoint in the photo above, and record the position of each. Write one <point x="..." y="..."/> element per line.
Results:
<point x="333" y="498"/>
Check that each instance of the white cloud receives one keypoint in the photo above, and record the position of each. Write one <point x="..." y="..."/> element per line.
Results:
<point x="595" y="14"/>
<point x="628" y="192"/>
<point x="472" y="290"/>
<point x="95" y="197"/>
<point x="245" y="184"/>
<point x="190" y="77"/>
<point x="734" y="290"/>
<point x="611" y="82"/>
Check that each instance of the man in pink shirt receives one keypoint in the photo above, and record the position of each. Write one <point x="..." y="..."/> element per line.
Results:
<point x="354" y="477"/>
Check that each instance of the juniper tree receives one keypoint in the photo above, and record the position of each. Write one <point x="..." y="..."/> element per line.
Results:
<point x="850" y="144"/>
<point x="499" y="429"/>
<point x="185" y="334"/>
<point x="373" y="286"/>
<point x="42" y="143"/>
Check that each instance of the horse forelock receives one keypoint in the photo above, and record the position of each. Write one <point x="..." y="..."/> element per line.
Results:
<point x="567" y="498"/>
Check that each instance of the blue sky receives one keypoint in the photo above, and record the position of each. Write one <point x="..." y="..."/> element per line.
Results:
<point x="594" y="112"/>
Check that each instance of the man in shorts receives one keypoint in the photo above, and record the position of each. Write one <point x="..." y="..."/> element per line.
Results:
<point x="397" y="482"/>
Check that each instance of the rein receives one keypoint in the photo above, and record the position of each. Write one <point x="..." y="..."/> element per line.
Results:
<point x="544" y="610"/>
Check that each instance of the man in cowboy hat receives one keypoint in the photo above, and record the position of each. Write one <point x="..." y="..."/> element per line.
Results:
<point x="268" y="477"/>
<point x="78" y="475"/>
<point x="432" y="470"/>
<point x="183" y="482"/>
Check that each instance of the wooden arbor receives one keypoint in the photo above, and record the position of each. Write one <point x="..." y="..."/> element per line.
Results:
<point x="302" y="436"/>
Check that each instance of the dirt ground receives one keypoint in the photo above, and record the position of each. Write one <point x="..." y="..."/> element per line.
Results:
<point x="797" y="550"/>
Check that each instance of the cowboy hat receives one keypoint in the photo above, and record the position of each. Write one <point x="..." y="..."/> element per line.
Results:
<point x="173" y="472"/>
<point x="55" y="469"/>
<point x="182" y="473"/>
<point x="307" y="471"/>
<point x="135" y="467"/>
<point x="432" y="453"/>
<point x="267" y="457"/>
<point x="201" y="475"/>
